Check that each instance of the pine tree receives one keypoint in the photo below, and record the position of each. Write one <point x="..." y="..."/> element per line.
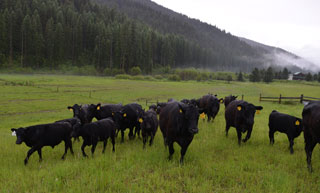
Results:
<point x="255" y="75"/>
<point x="240" y="77"/>
<point x="268" y="76"/>
<point x="309" y="77"/>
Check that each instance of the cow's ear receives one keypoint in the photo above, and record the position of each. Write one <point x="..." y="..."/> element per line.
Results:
<point x="98" y="107"/>
<point x="112" y="113"/>
<point x="215" y="95"/>
<point x="236" y="97"/>
<point x="181" y="109"/>
<point x="239" y="107"/>
<point x="13" y="129"/>
<point x="221" y="100"/>
<point x="258" y="107"/>
<point x="70" y="108"/>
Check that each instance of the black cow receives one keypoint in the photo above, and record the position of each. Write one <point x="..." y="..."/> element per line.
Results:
<point x="311" y="128"/>
<point x="185" y="101"/>
<point x="284" y="123"/>
<point x="210" y="104"/>
<point x="160" y="106"/>
<point x="96" y="131"/>
<point x="127" y="117"/>
<point x="39" y="136"/>
<point x="83" y="112"/>
<point x="106" y="111"/>
<point x="229" y="99"/>
<point x="73" y="121"/>
<point x="153" y="107"/>
<point x="149" y="125"/>
<point x="240" y="114"/>
<point x="178" y="123"/>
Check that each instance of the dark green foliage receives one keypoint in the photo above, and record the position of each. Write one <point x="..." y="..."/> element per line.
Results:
<point x="135" y="71"/>
<point x="309" y="77"/>
<point x="255" y="75"/>
<point x="49" y="33"/>
<point x="229" y="78"/>
<point x="268" y="75"/>
<point x="174" y="77"/>
<point x="240" y="77"/>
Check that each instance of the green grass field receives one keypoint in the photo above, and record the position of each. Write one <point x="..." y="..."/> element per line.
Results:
<point x="213" y="163"/>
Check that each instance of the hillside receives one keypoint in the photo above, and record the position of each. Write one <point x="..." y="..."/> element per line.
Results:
<point x="243" y="53"/>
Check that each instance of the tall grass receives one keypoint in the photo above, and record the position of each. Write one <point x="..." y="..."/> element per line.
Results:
<point x="213" y="163"/>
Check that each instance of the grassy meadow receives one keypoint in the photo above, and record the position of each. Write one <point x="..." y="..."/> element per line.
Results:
<point x="213" y="163"/>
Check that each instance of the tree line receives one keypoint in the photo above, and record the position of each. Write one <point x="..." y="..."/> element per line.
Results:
<point x="48" y="33"/>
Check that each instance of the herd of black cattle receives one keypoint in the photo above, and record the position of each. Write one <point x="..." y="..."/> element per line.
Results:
<point x="178" y="123"/>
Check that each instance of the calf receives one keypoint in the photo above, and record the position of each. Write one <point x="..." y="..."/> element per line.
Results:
<point x="311" y="128"/>
<point x="229" y="99"/>
<point x="127" y="117"/>
<point x="210" y="104"/>
<point x="149" y="125"/>
<point x="73" y="121"/>
<point x="39" y="136"/>
<point x="285" y="124"/>
<point x="97" y="131"/>
<point x="240" y="114"/>
<point x="179" y="123"/>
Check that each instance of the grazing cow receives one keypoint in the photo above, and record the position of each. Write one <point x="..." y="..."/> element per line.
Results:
<point x="96" y="131"/>
<point x="127" y="117"/>
<point x="38" y="136"/>
<point x="85" y="113"/>
<point x="210" y="104"/>
<point x="179" y="123"/>
<point x="284" y="123"/>
<point x="105" y="111"/>
<point x="311" y="128"/>
<point x="149" y="125"/>
<point x="240" y="114"/>
<point x="229" y="99"/>
<point x="73" y="121"/>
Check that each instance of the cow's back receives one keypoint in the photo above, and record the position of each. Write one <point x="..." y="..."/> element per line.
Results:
<point x="310" y="115"/>
<point x="231" y="112"/>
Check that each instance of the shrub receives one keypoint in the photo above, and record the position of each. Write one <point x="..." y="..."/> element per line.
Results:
<point x="174" y="77"/>
<point x="188" y="74"/>
<point x="149" y="78"/>
<point x="139" y="77"/>
<point x="135" y="71"/>
<point x="158" y="77"/>
<point x="123" y="76"/>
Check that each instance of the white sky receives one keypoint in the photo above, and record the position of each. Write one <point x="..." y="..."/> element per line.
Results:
<point x="293" y="25"/>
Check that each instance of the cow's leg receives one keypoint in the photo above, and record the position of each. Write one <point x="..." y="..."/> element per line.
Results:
<point x="113" y="143"/>
<point x="122" y="135"/>
<point x="151" y="139"/>
<point x="144" y="140"/>
<point x="66" y="147"/>
<point x="310" y="144"/>
<point x="104" y="145"/>
<point x="171" y="150"/>
<point x="248" y="135"/>
<point x="239" y="134"/>
<point x="94" y="145"/>
<point x="184" y="148"/>
<point x="131" y="136"/>
<point x="137" y="130"/>
<point x="291" y="144"/>
<point x="209" y="117"/>
<point x="40" y="154"/>
<point x="30" y="152"/>
<point x="84" y="144"/>
<point x="271" y="136"/>
<point x="70" y="146"/>
<point x="227" y="129"/>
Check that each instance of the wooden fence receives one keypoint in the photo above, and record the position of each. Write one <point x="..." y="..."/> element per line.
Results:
<point x="281" y="98"/>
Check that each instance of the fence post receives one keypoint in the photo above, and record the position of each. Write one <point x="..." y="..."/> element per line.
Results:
<point x="280" y="99"/>
<point x="260" y="98"/>
<point x="301" y="98"/>
<point x="241" y="97"/>
<point x="57" y="88"/>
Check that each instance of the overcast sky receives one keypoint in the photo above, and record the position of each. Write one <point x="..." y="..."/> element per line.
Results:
<point x="293" y="25"/>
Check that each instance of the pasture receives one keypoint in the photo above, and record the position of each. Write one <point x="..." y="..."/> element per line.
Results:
<point x="213" y="163"/>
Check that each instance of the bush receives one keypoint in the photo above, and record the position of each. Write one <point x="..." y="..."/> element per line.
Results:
<point x="87" y="70"/>
<point x="149" y="78"/>
<point x="188" y="74"/>
<point x="123" y="76"/>
<point x="158" y="77"/>
<point x="135" y="71"/>
<point x="139" y="77"/>
<point x="174" y="77"/>
<point x="112" y="72"/>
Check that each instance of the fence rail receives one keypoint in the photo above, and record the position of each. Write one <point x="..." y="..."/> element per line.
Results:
<point x="281" y="98"/>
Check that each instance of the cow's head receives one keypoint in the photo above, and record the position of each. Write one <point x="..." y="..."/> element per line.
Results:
<point x="92" y="111"/>
<point x="246" y="112"/>
<point x="191" y="116"/>
<point x="146" y="120"/>
<point x="153" y="107"/>
<point x="20" y="133"/>
<point x="75" y="109"/>
<point x="85" y="113"/>
<point x="119" y="118"/>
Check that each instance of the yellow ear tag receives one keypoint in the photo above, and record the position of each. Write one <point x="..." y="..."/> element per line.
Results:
<point x="239" y="108"/>
<point x="258" y="112"/>
<point x="140" y="120"/>
<point x="125" y="115"/>
<point x="70" y="110"/>
<point x="112" y="113"/>
<point x="202" y="116"/>
<point x="221" y="101"/>
<point x="180" y="111"/>
<point x="297" y="122"/>
<point x="98" y="108"/>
